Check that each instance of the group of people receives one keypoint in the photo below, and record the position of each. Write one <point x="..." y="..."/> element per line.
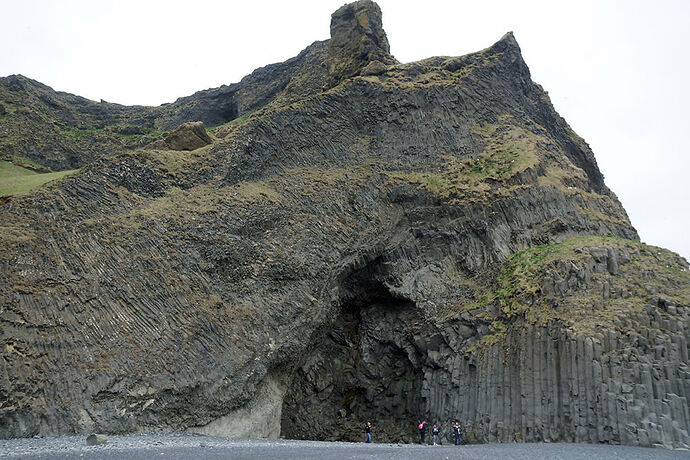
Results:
<point x="422" y="432"/>
<point x="435" y="432"/>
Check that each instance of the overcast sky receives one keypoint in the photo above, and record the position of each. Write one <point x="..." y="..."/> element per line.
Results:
<point x="617" y="71"/>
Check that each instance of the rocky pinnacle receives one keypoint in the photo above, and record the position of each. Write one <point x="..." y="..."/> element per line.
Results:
<point x="357" y="38"/>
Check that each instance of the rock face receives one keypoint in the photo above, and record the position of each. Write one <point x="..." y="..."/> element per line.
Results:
<point x="373" y="68"/>
<point x="537" y="380"/>
<point x="188" y="136"/>
<point x="63" y="131"/>
<point x="357" y="38"/>
<point x="433" y="241"/>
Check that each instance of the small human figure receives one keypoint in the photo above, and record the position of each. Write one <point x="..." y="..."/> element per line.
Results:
<point x="422" y="431"/>
<point x="456" y="432"/>
<point x="367" y="430"/>
<point x="434" y="431"/>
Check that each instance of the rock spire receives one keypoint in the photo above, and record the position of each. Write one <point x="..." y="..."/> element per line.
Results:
<point x="357" y="38"/>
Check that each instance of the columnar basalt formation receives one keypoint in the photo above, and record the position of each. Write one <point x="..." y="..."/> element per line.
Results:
<point x="427" y="241"/>
<point x="528" y="379"/>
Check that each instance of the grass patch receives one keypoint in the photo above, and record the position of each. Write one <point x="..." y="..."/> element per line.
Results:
<point x="133" y="132"/>
<point x="24" y="163"/>
<point x="179" y="204"/>
<point x="16" y="180"/>
<point x="523" y="273"/>
<point x="10" y="108"/>
<point x="122" y="132"/>
<point x="508" y="152"/>
<point x="151" y="134"/>
<point x="589" y="306"/>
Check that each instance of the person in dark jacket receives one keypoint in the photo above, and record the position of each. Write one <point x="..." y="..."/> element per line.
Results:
<point x="434" y="431"/>
<point x="456" y="432"/>
<point x="367" y="430"/>
<point x="422" y="431"/>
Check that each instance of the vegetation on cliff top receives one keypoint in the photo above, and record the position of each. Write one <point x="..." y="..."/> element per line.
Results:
<point x="589" y="283"/>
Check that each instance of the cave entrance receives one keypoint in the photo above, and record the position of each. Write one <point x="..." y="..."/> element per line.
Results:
<point x="365" y="368"/>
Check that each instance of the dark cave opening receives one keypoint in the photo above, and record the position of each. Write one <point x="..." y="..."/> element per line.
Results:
<point x="364" y="368"/>
<point x="228" y="113"/>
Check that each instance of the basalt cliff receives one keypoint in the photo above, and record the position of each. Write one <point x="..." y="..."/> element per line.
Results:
<point x="350" y="239"/>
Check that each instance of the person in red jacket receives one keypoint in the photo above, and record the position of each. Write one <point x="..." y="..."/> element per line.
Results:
<point x="422" y="431"/>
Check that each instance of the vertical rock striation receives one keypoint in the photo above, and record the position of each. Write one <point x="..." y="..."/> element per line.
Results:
<point x="624" y="380"/>
<point x="417" y="240"/>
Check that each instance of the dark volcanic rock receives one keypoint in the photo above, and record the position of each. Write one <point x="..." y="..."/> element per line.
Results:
<point x="432" y="241"/>
<point x="543" y="379"/>
<point x="281" y="83"/>
<point x="374" y="68"/>
<point x="357" y="38"/>
<point x="63" y="131"/>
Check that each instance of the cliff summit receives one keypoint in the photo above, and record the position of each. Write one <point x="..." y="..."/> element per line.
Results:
<point x="357" y="39"/>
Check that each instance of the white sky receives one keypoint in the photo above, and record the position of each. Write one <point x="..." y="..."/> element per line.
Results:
<point x="615" y="70"/>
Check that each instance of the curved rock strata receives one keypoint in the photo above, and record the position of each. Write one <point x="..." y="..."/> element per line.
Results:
<point x="429" y="241"/>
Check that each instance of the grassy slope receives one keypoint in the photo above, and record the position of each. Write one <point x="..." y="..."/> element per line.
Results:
<point x="15" y="180"/>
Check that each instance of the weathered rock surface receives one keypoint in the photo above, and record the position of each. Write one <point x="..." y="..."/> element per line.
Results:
<point x="586" y="363"/>
<point x="433" y="241"/>
<point x="374" y="68"/>
<point x="188" y="136"/>
<point x="62" y="131"/>
<point x="357" y="38"/>
<point x="96" y="440"/>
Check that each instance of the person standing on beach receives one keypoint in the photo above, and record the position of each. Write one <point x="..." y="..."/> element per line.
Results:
<point x="422" y="431"/>
<point x="456" y="432"/>
<point x="434" y="431"/>
<point x="367" y="430"/>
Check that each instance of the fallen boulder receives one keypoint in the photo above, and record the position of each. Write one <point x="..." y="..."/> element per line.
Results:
<point x="187" y="136"/>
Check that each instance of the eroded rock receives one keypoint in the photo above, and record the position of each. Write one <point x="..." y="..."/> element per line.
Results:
<point x="357" y="38"/>
<point x="374" y="68"/>
<point x="419" y="244"/>
<point x="188" y="136"/>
